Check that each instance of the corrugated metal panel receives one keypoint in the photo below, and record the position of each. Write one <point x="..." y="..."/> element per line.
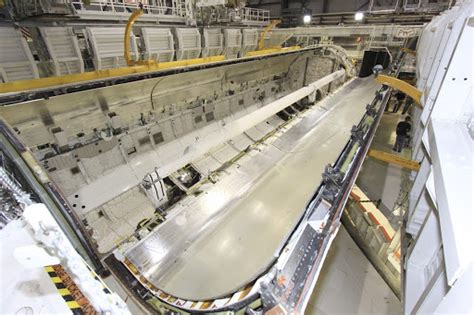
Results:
<point x="233" y="42"/>
<point x="159" y="44"/>
<point x="249" y="40"/>
<point x="64" y="50"/>
<point x="213" y="42"/>
<point x="16" y="60"/>
<point x="107" y="46"/>
<point x="189" y="43"/>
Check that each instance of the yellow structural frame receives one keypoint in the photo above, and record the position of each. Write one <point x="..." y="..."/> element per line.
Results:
<point x="402" y="86"/>
<point x="271" y="51"/>
<point x="394" y="159"/>
<point x="126" y="39"/>
<point x="261" y="40"/>
<point x="408" y="51"/>
<point x="26" y="85"/>
<point x="134" y="67"/>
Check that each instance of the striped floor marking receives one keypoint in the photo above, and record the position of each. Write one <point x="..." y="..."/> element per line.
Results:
<point x="73" y="297"/>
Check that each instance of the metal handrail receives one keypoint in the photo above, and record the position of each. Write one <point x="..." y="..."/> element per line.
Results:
<point x="176" y="9"/>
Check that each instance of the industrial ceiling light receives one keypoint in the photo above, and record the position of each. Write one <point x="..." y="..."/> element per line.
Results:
<point x="359" y="16"/>
<point x="306" y="19"/>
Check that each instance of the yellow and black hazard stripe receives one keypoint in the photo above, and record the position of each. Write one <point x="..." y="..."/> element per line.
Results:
<point x="71" y="293"/>
<point x="74" y="291"/>
<point x="64" y="291"/>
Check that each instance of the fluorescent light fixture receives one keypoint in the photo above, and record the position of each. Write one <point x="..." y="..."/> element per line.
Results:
<point x="307" y="19"/>
<point x="359" y="16"/>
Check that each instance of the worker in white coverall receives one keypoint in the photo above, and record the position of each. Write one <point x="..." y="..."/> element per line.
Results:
<point x="377" y="69"/>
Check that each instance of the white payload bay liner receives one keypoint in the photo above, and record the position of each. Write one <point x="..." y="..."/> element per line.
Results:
<point x="223" y="239"/>
<point x="194" y="145"/>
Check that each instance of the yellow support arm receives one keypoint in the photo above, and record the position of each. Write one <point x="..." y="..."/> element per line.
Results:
<point x="26" y="85"/>
<point x="408" y="51"/>
<point x="267" y="28"/>
<point x="402" y="86"/>
<point x="126" y="39"/>
<point x="394" y="159"/>
<point x="267" y="51"/>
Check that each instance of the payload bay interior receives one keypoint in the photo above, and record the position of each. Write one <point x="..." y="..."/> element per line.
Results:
<point x="236" y="157"/>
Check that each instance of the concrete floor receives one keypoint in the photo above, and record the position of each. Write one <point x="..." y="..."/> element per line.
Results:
<point x="349" y="284"/>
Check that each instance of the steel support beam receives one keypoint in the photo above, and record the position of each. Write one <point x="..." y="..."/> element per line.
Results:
<point x="394" y="159"/>
<point x="402" y="86"/>
<point x="408" y="51"/>
<point x="26" y="85"/>
<point x="270" y="51"/>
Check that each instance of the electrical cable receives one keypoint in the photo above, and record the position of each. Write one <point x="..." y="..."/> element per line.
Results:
<point x="153" y="90"/>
